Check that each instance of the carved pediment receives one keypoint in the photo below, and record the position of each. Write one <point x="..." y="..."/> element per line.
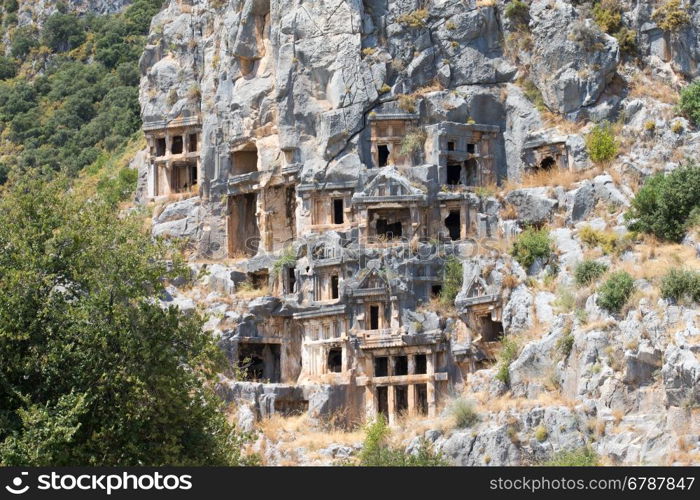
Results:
<point x="390" y="183"/>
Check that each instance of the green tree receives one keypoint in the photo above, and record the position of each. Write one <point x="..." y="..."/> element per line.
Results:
<point x="93" y="371"/>
<point x="63" y="32"/>
<point x="665" y="206"/>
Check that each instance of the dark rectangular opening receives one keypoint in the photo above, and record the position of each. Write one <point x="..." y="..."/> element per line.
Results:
<point x="453" y="225"/>
<point x="435" y="290"/>
<point x="258" y="279"/>
<point x="383" y="400"/>
<point x="374" y="317"/>
<point x="450" y="145"/>
<point x="471" y="148"/>
<point x="334" y="287"/>
<point x="490" y="330"/>
<point x="160" y="146"/>
<point x="400" y="399"/>
<point x="177" y="146"/>
<point x="193" y="143"/>
<point x="381" y="366"/>
<point x="243" y="232"/>
<point x="383" y="155"/>
<point x="259" y="362"/>
<point x="421" y="364"/>
<point x="389" y="231"/>
<point x="184" y="176"/>
<point x="401" y="365"/>
<point x="335" y="360"/>
<point x="244" y="162"/>
<point x="338" y="211"/>
<point x="454" y="174"/>
<point x="291" y="279"/>
<point x="422" y="398"/>
<point x="291" y="407"/>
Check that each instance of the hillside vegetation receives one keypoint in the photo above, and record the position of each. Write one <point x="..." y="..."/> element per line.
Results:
<point x="69" y="90"/>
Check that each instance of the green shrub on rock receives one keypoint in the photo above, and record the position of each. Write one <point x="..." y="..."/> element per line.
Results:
<point x="689" y="103"/>
<point x="665" y="206"/>
<point x="616" y="291"/>
<point x="588" y="271"/>
<point x="531" y="244"/>
<point x="679" y="284"/>
<point x="601" y="143"/>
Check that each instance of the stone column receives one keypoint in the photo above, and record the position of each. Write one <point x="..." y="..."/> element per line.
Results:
<point x="391" y="403"/>
<point x="430" y="365"/>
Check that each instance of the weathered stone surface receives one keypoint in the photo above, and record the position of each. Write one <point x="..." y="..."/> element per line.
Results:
<point x="533" y="205"/>
<point x="681" y="375"/>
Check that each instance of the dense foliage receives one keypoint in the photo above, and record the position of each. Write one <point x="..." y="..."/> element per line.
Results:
<point x="680" y="284"/>
<point x="689" y="103"/>
<point x="616" y="291"/>
<point x="530" y="245"/>
<point x="588" y="271"/>
<point x="92" y="370"/>
<point x="71" y="91"/>
<point x="601" y="143"/>
<point x="376" y="452"/>
<point x="667" y="205"/>
<point x="452" y="280"/>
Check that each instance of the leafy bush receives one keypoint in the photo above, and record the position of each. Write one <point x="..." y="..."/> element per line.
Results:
<point x="679" y="284"/>
<point x="531" y="244"/>
<point x="671" y="16"/>
<point x="8" y="68"/>
<point x="601" y="143"/>
<point x="566" y="343"/>
<point x="588" y="271"/>
<point x="608" y="15"/>
<point x="509" y="351"/>
<point x="689" y="103"/>
<point x="627" y="40"/>
<point x="63" y="32"/>
<point x="533" y="94"/>
<point x="376" y="452"/>
<point x="541" y="433"/>
<point x="518" y="12"/>
<point x="608" y="241"/>
<point x="582" y="457"/>
<point x="119" y="188"/>
<point x="616" y="291"/>
<point x="664" y="205"/>
<point x="22" y="41"/>
<point x="451" y="281"/>
<point x="464" y="413"/>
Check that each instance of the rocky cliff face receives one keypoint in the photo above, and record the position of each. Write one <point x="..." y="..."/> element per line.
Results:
<point x="302" y="81"/>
